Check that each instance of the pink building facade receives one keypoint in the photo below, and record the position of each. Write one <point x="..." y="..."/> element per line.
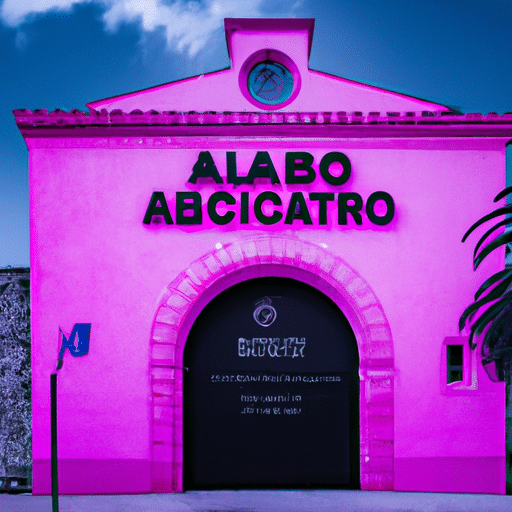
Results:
<point x="186" y="221"/>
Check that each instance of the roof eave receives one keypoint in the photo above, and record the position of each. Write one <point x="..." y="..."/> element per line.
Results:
<point x="40" y="123"/>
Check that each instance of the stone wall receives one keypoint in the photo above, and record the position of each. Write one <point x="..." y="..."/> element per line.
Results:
<point x="15" y="374"/>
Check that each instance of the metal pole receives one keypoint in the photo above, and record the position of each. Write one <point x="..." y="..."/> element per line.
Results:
<point x="53" y="413"/>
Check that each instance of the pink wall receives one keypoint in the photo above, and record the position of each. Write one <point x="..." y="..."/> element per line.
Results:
<point x="93" y="260"/>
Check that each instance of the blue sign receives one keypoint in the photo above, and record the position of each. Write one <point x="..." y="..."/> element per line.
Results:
<point x="77" y="342"/>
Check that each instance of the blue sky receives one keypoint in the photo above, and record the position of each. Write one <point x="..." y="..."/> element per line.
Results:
<point x="65" y="53"/>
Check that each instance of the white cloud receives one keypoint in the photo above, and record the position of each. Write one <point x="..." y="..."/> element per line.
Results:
<point x="15" y="12"/>
<point x="188" y="24"/>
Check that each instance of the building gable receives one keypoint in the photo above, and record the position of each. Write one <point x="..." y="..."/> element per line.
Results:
<point x="252" y="43"/>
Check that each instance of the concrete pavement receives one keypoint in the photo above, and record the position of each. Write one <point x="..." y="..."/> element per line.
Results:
<point x="264" y="501"/>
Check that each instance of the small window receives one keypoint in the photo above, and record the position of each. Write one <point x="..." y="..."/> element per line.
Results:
<point x="458" y="368"/>
<point x="454" y="355"/>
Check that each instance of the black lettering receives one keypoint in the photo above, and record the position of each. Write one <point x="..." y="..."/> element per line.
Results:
<point x="244" y="208"/>
<point x="265" y="219"/>
<point x="262" y="167"/>
<point x="205" y="168"/>
<point x="297" y="209"/>
<point x="214" y="199"/>
<point x="154" y="209"/>
<point x="325" y="168"/>
<point x="299" y="161"/>
<point x="188" y="201"/>
<point x="322" y="198"/>
<point x="390" y="208"/>
<point x="344" y="207"/>
<point x="232" y="170"/>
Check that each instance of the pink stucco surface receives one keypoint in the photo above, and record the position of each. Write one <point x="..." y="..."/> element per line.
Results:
<point x="219" y="91"/>
<point x="402" y="286"/>
<point x="94" y="261"/>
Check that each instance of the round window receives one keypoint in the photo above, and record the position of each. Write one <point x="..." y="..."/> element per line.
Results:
<point x="270" y="82"/>
<point x="269" y="79"/>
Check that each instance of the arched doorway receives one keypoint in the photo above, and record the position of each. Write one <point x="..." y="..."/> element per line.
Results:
<point x="272" y="390"/>
<point x="278" y="256"/>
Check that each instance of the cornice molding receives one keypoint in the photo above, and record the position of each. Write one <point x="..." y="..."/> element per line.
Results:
<point x="41" y="123"/>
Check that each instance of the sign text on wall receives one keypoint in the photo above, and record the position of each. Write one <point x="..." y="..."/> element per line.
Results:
<point x="267" y="207"/>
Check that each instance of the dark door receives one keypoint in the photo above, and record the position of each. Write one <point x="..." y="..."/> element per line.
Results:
<point x="271" y="395"/>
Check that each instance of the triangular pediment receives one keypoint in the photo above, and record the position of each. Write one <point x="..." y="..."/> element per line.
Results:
<point x="269" y="72"/>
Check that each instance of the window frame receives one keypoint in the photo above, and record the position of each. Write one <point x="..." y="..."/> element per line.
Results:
<point x="469" y="382"/>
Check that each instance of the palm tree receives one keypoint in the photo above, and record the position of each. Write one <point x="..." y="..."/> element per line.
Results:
<point x="493" y="301"/>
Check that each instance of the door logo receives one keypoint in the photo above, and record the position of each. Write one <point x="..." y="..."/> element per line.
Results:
<point x="264" y="314"/>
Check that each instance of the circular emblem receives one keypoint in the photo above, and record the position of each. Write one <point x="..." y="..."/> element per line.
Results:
<point x="264" y="314"/>
<point x="270" y="82"/>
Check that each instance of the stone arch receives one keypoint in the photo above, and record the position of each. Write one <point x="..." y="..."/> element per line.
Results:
<point x="216" y="271"/>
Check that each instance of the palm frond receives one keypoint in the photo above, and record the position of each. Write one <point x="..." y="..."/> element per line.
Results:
<point x="493" y="295"/>
<point x="498" y="336"/>
<point x="505" y="192"/>
<point x="505" y="275"/>
<point x="478" y="326"/>
<point x="503" y="222"/>
<point x="496" y="351"/>
<point x="499" y="241"/>
<point x="496" y="213"/>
